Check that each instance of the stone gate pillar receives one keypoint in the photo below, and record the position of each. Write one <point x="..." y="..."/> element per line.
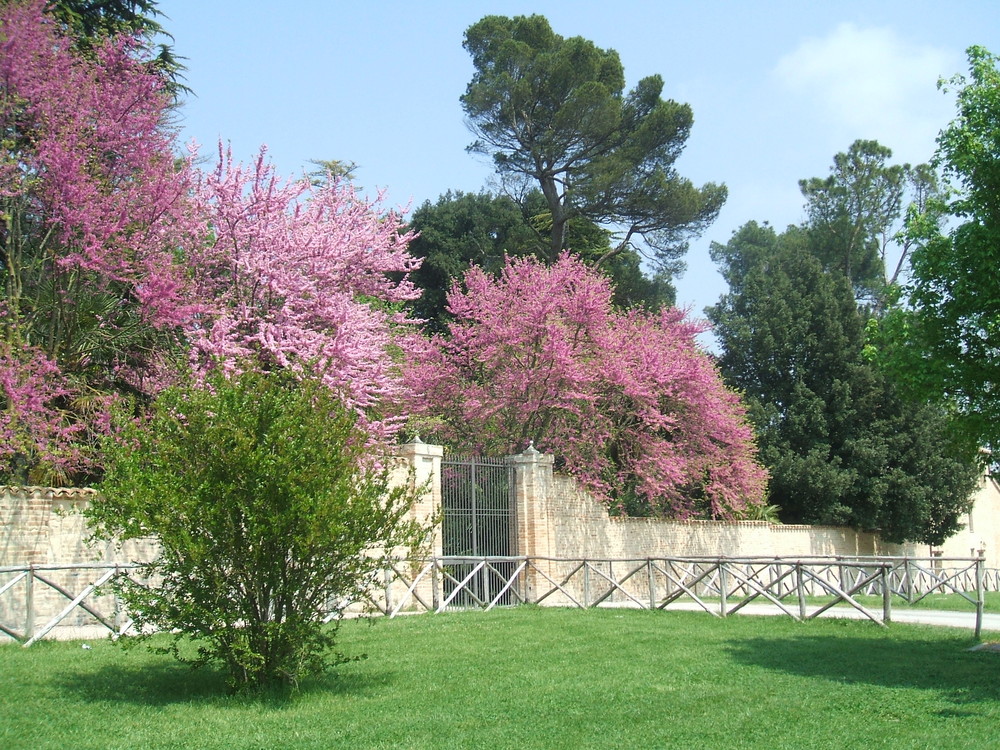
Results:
<point x="532" y="480"/>
<point x="424" y="460"/>
<point x="532" y="484"/>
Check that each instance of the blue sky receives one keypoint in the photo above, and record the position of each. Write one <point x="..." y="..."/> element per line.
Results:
<point x="777" y="88"/>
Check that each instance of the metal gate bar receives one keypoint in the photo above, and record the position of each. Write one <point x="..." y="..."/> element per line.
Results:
<point x="478" y="520"/>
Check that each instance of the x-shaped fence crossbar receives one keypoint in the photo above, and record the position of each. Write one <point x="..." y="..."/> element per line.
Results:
<point x="721" y="586"/>
<point x="34" y="576"/>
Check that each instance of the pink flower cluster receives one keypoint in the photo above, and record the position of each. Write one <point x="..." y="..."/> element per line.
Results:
<point x="32" y="424"/>
<point x="627" y="402"/>
<point x="121" y="257"/>
<point x="88" y="154"/>
<point x="297" y="274"/>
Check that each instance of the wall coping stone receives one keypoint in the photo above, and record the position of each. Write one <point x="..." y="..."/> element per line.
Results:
<point x="32" y="491"/>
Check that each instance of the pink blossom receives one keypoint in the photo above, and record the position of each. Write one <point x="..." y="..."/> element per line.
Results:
<point x="626" y="401"/>
<point x="122" y="256"/>
<point x="297" y="274"/>
<point x="33" y="428"/>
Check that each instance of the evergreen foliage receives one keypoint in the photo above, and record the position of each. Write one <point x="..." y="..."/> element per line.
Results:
<point x="90" y="22"/>
<point x="553" y="114"/>
<point x="842" y="446"/>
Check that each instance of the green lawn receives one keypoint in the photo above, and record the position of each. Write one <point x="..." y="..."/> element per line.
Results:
<point x="949" y="602"/>
<point x="535" y="678"/>
<point x="954" y="602"/>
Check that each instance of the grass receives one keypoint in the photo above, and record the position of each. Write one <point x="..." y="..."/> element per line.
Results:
<point x="534" y="678"/>
<point x="947" y="602"/>
<point x="950" y="602"/>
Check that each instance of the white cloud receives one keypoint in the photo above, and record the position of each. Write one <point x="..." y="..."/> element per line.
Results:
<point x="870" y="83"/>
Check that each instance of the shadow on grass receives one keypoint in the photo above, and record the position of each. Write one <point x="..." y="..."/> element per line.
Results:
<point x="945" y="667"/>
<point x="169" y="682"/>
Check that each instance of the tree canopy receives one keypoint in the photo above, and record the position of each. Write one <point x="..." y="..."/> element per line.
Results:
<point x="119" y="258"/>
<point x="462" y="230"/>
<point x="625" y="400"/>
<point x="94" y="208"/>
<point x="842" y="446"/>
<point x="855" y="217"/>
<point x="552" y="113"/>
<point x="946" y="348"/>
<point x="295" y="273"/>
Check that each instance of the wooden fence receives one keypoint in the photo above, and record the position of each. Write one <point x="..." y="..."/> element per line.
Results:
<point x="38" y="601"/>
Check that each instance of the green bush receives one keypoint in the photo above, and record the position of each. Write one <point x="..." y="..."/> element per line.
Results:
<point x="269" y="513"/>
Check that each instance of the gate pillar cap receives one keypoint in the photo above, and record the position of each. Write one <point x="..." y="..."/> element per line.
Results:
<point x="420" y="449"/>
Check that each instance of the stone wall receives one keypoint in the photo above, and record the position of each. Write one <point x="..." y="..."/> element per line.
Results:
<point x="555" y="519"/>
<point x="559" y="519"/>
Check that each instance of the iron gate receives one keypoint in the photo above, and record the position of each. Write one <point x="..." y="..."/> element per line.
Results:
<point x="478" y="520"/>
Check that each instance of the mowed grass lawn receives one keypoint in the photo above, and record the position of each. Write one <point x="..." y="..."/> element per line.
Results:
<point x="534" y="678"/>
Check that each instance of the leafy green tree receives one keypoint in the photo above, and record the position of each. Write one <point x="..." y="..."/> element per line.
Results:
<point x="854" y="216"/>
<point x="552" y="113"/>
<point x="842" y="447"/>
<point x="332" y="169"/>
<point x="268" y="513"/>
<point x="91" y="21"/>
<point x="947" y="347"/>
<point x="462" y="230"/>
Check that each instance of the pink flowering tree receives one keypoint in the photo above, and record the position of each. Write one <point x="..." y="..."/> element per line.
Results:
<point x="626" y="401"/>
<point x="120" y="259"/>
<point x="32" y="425"/>
<point x="93" y="216"/>
<point x="298" y="274"/>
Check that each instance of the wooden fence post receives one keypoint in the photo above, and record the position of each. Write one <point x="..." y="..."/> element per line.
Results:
<point x="611" y="577"/>
<point x="29" y="604"/>
<point x="387" y="585"/>
<point x="116" y="609"/>
<point x="435" y="587"/>
<point x="801" y="590"/>
<point x="723" y="586"/>
<point x="980" y="595"/>
<point x="886" y="594"/>
<point x="652" y="582"/>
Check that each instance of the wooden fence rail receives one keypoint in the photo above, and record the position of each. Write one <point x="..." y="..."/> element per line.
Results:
<point x="38" y="600"/>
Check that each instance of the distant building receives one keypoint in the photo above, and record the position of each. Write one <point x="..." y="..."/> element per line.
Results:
<point x="981" y="535"/>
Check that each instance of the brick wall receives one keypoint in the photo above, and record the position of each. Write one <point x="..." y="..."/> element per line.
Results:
<point x="43" y="526"/>
<point x="555" y="519"/>
<point x="559" y="519"/>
